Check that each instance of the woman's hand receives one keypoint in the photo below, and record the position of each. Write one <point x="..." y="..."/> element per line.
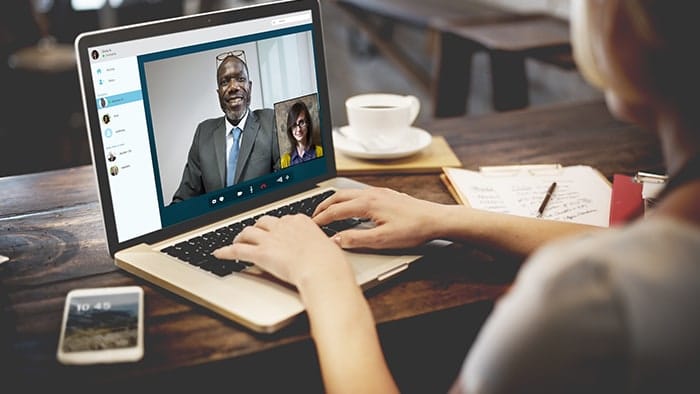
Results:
<point x="401" y="221"/>
<point x="292" y="248"/>
<point x="295" y="249"/>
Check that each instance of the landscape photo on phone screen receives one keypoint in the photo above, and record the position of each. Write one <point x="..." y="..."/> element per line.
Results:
<point x="102" y="322"/>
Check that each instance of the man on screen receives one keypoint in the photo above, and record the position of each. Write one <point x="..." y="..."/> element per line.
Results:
<point x="239" y="146"/>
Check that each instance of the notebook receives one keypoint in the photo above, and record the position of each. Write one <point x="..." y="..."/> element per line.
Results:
<point x="582" y="193"/>
<point x="160" y="152"/>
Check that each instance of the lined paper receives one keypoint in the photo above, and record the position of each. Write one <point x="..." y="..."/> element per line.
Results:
<point x="582" y="194"/>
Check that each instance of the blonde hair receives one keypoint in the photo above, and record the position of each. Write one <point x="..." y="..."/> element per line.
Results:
<point x="581" y="21"/>
<point x="638" y="48"/>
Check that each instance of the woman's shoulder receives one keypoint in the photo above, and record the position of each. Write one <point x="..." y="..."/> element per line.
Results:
<point x="631" y="247"/>
<point x="608" y="288"/>
<point x="637" y="278"/>
<point x="651" y="256"/>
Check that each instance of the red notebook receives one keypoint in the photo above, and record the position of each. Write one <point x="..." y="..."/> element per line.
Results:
<point x="626" y="200"/>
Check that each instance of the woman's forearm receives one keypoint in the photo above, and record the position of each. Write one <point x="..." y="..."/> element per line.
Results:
<point x="344" y="331"/>
<point x="513" y="234"/>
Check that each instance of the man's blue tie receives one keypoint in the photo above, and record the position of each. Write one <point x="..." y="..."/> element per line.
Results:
<point x="233" y="157"/>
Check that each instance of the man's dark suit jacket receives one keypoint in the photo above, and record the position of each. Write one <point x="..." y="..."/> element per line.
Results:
<point x="205" y="170"/>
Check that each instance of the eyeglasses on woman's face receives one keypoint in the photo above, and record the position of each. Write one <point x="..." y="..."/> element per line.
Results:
<point x="299" y="124"/>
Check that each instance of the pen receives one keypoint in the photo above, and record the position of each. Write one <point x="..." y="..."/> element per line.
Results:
<point x="543" y="205"/>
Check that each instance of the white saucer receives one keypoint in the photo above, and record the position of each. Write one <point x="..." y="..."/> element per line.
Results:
<point x="415" y="141"/>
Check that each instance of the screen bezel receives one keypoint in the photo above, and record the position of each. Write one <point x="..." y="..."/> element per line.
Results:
<point x="163" y="27"/>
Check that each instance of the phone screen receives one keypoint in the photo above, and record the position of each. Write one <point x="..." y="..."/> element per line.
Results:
<point x="102" y="325"/>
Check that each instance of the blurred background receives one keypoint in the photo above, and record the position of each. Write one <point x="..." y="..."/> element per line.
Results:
<point x="42" y="124"/>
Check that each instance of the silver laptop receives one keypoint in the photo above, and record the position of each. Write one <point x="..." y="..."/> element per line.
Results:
<point x="160" y="152"/>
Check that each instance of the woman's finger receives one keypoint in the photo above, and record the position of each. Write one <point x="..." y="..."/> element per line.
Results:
<point x="250" y="235"/>
<point x="343" y="210"/>
<point x="337" y="197"/>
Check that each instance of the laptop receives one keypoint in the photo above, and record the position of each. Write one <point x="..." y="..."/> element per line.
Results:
<point x="147" y="88"/>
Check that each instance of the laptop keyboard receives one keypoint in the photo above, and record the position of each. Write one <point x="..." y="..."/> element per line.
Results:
<point x="197" y="251"/>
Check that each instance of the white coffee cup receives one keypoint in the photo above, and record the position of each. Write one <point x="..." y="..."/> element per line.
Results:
<point x="381" y="117"/>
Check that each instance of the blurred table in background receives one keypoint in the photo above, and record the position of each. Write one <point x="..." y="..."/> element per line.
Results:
<point x="456" y="31"/>
<point x="509" y="43"/>
<point x="377" y="19"/>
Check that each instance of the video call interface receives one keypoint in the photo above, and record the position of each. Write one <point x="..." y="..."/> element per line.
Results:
<point x="150" y="103"/>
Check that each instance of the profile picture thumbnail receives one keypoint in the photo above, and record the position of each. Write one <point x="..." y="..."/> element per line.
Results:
<point x="103" y="102"/>
<point x="114" y="170"/>
<point x="106" y="118"/>
<point x="95" y="55"/>
<point x="111" y="156"/>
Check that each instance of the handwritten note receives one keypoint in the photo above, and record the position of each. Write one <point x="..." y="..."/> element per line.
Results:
<point x="582" y="194"/>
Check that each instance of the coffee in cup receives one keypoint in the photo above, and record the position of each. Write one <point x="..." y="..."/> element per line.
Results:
<point x="381" y="118"/>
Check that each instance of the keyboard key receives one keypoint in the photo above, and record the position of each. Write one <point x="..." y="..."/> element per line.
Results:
<point x="221" y="267"/>
<point x="341" y="225"/>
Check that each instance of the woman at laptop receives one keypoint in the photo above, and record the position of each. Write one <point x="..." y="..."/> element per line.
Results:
<point x="597" y="311"/>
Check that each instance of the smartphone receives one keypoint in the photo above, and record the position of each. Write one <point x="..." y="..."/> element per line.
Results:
<point x="102" y="325"/>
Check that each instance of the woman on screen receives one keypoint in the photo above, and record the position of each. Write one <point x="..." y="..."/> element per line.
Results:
<point x="300" y="132"/>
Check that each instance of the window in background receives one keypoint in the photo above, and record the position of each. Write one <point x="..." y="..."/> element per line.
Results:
<point x="84" y="5"/>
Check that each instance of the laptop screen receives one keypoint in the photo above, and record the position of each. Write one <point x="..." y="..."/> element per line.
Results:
<point x="205" y="121"/>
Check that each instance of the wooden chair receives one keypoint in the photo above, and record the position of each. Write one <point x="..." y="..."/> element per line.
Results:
<point x="508" y="43"/>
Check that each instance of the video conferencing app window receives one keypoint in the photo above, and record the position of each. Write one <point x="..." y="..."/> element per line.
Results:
<point x="151" y="95"/>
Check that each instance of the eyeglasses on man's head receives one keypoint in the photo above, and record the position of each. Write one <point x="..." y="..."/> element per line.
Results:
<point x="239" y="53"/>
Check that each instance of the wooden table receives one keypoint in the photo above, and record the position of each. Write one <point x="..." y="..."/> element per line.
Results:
<point x="427" y="317"/>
